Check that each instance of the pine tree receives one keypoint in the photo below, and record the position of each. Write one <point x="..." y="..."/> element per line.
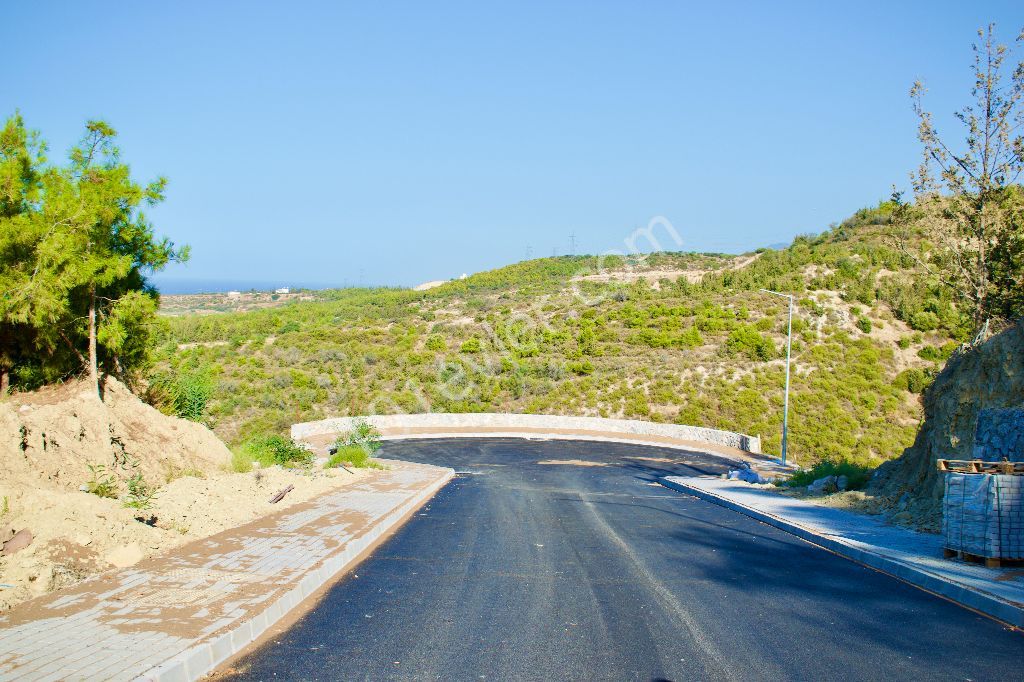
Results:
<point x="75" y="257"/>
<point x="969" y="207"/>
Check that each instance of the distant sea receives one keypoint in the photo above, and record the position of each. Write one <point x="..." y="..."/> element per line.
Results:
<point x="217" y="286"/>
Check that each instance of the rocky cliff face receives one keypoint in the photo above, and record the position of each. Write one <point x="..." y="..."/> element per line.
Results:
<point x="989" y="376"/>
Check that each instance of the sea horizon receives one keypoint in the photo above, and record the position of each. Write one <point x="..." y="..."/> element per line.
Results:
<point x="186" y="285"/>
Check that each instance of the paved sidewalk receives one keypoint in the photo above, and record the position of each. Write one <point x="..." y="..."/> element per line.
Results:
<point x="177" y="615"/>
<point x="913" y="557"/>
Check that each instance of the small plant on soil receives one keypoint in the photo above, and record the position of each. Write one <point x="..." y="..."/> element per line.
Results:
<point x="354" y="456"/>
<point x="363" y="434"/>
<point x="356" y="448"/>
<point x="140" y="493"/>
<point x="102" y="483"/>
<point x="857" y="475"/>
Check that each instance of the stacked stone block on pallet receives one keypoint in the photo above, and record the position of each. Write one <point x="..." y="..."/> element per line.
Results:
<point x="983" y="514"/>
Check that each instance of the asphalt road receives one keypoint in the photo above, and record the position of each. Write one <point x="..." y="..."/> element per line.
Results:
<point x="525" y="571"/>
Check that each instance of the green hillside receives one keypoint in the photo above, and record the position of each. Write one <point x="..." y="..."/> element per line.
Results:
<point x="699" y="345"/>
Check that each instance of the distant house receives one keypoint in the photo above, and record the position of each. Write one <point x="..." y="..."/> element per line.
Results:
<point x="234" y="294"/>
<point x="282" y="290"/>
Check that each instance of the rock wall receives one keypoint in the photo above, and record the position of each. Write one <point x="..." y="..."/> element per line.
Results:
<point x="986" y="377"/>
<point x="1000" y="434"/>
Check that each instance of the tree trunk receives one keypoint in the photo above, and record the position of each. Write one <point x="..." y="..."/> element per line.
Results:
<point x="4" y="380"/>
<point x="94" y="375"/>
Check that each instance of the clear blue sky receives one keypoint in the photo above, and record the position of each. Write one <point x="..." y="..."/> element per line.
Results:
<point x="402" y="142"/>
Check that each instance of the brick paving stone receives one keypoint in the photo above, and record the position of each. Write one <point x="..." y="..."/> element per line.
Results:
<point x="174" y="616"/>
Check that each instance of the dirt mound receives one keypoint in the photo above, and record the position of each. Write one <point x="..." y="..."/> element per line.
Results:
<point x="49" y="438"/>
<point x="991" y="375"/>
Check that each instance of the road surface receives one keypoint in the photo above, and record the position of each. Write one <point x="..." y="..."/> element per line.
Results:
<point x="522" y="570"/>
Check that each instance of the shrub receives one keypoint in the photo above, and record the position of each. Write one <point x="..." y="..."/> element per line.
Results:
<point x="436" y="342"/>
<point x="864" y="324"/>
<point x="930" y="353"/>
<point x="913" y="380"/>
<point x="363" y="434"/>
<point x="471" y="345"/>
<point x="583" y="367"/>
<point x="273" y="449"/>
<point x="354" y="456"/>
<point x="746" y="340"/>
<point x="856" y="474"/>
<point x="186" y="395"/>
<point x="924" y="321"/>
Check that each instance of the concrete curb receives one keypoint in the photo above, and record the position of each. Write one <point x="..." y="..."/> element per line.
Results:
<point x="201" y="659"/>
<point x="446" y="421"/>
<point x="1008" y="612"/>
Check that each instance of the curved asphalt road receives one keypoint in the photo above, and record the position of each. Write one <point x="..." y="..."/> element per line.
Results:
<point x="519" y="570"/>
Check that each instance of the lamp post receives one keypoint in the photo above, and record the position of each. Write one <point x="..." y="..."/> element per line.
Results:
<point x="789" y="346"/>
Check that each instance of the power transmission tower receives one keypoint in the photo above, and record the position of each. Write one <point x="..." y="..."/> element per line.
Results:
<point x="572" y="244"/>
<point x="529" y="252"/>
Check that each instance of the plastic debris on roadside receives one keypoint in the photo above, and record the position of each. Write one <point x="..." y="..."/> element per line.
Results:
<point x="746" y="475"/>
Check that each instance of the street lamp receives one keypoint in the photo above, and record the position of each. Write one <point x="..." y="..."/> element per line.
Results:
<point x="789" y="346"/>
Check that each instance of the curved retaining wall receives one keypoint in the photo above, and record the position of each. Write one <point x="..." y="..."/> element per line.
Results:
<point x="432" y="425"/>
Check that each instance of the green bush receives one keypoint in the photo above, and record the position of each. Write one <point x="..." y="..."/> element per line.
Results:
<point x="273" y="449"/>
<point x="185" y="395"/>
<point x="924" y="321"/>
<point x="930" y="353"/>
<point x="363" y="434"/>
<point x="354" y="456"/>
<point x="747" y="341"/>
<point x="914" y="380"/>
<point x="436" y="342"/>
<point x="864" y="324"/>
<point x="471" y="346"/>
<point x="582" y="368"/>
<point x="857" y="475"/>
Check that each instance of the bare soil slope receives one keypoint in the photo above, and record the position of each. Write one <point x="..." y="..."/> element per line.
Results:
<point x="49" y="437"/>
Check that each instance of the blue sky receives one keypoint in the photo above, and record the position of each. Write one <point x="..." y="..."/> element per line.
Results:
<point x="393" y="143"/>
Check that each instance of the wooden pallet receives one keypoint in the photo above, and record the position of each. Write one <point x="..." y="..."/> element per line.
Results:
<point x="990" y="562"/>
<point x="977" y="466"/>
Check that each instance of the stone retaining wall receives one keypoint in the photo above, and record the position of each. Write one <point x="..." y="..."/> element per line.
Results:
<point x="397" y="426"/>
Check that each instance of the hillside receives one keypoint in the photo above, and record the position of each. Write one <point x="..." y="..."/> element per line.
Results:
<point x="546" y="336"/>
